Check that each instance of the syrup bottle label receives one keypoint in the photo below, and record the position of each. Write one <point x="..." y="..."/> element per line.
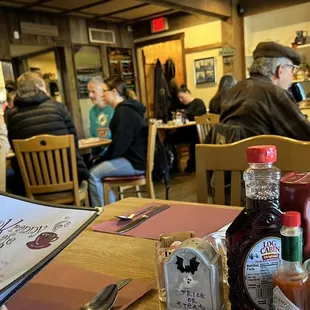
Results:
<point x="260" y="264"/>
<point x="281" y="302"/>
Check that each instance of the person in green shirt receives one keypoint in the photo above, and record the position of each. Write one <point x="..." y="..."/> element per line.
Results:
<point x="100" y="114"/>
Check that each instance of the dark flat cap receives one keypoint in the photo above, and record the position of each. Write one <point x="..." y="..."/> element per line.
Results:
<point x="275" y="50"/>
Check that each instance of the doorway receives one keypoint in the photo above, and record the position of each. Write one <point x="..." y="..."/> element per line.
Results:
<point x="147" y="55"/>
<point x="46" y="63"/>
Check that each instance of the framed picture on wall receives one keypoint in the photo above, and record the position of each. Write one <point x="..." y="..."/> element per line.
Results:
<point x="205" y="71"/>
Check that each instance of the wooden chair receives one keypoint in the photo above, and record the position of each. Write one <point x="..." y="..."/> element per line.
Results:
<point x="2" y="170"/>
<point x="204" y="124"/>
<point x="49" y="169"/>
<point x="306" y="111"/>
<point x="293" y="155"/>
<point x="137" y="180"/>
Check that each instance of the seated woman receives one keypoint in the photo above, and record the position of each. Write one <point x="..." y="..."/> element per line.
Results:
<point x="192" y="106"/>
<point x="226" y="82"/>
<point x="126" y="155"/>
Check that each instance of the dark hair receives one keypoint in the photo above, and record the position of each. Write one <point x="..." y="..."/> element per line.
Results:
<point x="116" y="82"/>
<point x="183" y="89"/>
<point x="10" y="86"/>
<point x="226" y="82"/>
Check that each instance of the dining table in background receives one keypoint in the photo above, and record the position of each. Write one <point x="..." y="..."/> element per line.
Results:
<point x="84" y="146"/>
<point x="172" y="126"/>
<point x="118" y="255"/>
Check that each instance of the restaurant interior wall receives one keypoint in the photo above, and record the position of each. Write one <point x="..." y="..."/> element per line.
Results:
<point x="197" y="36"/>
<point x="277" y="25"/>
<point x="79" y="36"/>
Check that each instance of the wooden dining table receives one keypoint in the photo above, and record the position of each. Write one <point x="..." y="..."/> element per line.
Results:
<point x="118" y="255"/>
<point x="172" y="126"/>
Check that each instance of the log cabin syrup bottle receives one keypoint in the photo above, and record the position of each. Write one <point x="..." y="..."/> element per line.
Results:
<point x="291" y="280"/>
<point x="253" y="239"/>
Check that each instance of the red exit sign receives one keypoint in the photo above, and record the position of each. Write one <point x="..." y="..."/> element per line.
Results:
<point x="159" y="24"/>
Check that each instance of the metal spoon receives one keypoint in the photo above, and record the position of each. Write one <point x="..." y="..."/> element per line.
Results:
<point x="131" y="216"/>
<point x="104" y="300"/>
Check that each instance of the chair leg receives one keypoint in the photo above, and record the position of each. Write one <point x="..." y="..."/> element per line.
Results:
<point x="86" y="201"/>
<point x="106" y="190"/>
<point x="138" y="191"/>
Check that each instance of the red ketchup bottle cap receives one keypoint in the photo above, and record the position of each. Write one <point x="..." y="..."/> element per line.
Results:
<point x="261" y="154"/>
<point x="291" y="219"/>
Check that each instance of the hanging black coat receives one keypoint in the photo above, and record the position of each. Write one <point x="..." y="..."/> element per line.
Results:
<point x="161" y="93"/>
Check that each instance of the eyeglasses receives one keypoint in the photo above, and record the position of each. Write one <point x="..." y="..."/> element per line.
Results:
<point x="105" y="90"/>
<point x="294" y="67"/>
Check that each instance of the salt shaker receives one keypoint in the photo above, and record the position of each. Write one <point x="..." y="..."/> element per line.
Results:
<point x="193" y="277"/>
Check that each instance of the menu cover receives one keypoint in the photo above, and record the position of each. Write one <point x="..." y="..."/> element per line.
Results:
<point x="32" y="233"/>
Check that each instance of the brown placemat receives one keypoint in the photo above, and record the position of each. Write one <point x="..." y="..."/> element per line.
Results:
<point x="65" y="287"/>
<point x="202" y="220"/>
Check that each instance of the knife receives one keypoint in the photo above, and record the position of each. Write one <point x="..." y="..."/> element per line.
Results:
<point x="143" y="218"/>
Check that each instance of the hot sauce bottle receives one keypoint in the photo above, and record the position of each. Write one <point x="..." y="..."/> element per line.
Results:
<point x="253" y="239"/>
<point x="291" y="279"/>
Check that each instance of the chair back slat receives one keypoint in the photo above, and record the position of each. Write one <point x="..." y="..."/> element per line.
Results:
<point x="150" y="158"/>
<point x="65" y="165"/>
<point x="51" y="166"/>
<point x="46" y="178"/>
<point x="48" y="165"/>
<point x="204" y="124"/>
<point x="59" y="166"/>
<point x="219" y="181"/>
<point x="293" y="155"/>
<point x="33" y="169"/>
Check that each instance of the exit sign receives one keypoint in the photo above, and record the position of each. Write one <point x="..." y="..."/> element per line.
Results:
<point x="159" y="24"/>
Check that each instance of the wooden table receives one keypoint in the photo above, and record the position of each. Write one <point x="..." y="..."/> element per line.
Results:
<point x="84" y="145"/>
<point x="120" y="256"/>
<point x="176" y="126"/>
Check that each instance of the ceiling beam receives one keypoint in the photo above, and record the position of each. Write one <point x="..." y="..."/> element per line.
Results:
<point x="86" y="6"/>
<point x="151" y="16"/>
<point x="31" y="5"/>
<point x="252" y="7"/>
<point x="121" y="11"/>
<point x="215" y="8"/>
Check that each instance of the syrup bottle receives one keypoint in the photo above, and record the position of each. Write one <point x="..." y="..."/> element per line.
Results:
<point x="253" y="239"/>
<point x="291" y="280"/>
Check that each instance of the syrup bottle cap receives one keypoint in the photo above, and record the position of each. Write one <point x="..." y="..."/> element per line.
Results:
<point x="261" y="154"/>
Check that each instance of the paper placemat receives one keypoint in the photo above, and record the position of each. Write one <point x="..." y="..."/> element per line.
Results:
<point x="179" y="217"/>
<point x="66" y="287"/>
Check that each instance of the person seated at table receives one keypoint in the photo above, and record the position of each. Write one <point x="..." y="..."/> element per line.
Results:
<point x="100" y="114"/>
<point x="192" y="106"/>
<point x="35" y="113"/>
<point x="226" y="82"/>
<point x="126" y="155"/>
<point x="10" y="87"/>
<point x="262" y="104"/>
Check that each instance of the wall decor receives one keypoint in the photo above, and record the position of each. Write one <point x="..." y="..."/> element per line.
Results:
<point x="121" y="64"/>
<point x="205" y="71"/>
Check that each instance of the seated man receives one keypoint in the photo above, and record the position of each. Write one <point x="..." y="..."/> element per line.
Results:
<point x="35" y="113"/>
<point x="262" y="104"/>
<point x="100" y="114"/>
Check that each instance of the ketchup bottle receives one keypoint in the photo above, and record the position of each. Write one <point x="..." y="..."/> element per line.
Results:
<point x="253" y="239"/>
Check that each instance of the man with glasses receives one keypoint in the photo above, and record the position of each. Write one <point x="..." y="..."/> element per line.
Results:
<point x="262" y="104"/>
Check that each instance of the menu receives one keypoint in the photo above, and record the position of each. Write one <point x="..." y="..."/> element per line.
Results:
<point x="121" y="64"/>
<point x="31" y="235"/>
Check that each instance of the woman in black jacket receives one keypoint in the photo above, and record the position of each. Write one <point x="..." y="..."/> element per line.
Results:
<point x="126" y="155"/>
<point x="226" y="82"/>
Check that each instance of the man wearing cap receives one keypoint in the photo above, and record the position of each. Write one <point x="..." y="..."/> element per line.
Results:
<point x="262" y="103"/>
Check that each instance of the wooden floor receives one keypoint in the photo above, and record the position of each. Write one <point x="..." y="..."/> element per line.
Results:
<point x="183" y="188"/>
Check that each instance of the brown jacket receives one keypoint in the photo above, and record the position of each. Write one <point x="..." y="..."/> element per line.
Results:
<point x="263" y="108"/>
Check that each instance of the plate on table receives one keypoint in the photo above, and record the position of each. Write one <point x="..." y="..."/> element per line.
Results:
<point x="89" y="140"/>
